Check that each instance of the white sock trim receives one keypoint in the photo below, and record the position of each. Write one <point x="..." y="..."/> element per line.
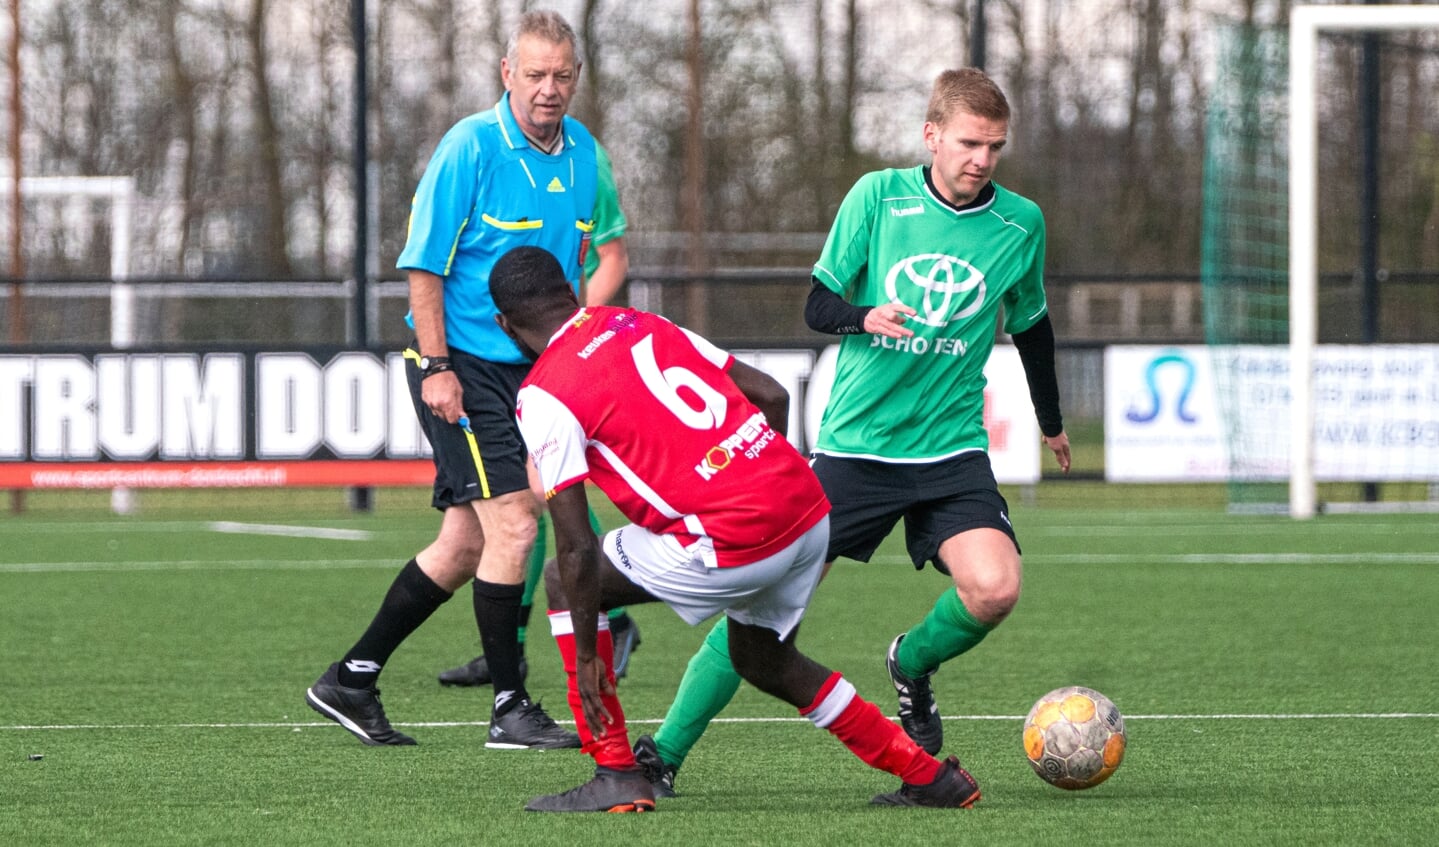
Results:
<point x="562" y="624"/>
<point x="834" y="704"/>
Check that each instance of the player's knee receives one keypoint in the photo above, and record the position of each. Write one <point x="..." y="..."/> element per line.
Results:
<point x="992" y="601"/>
<point x="512" y="527"/>
<point x="457" y="550"/>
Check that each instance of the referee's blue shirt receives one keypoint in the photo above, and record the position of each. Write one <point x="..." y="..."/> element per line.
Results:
<point x="485" y="192"/>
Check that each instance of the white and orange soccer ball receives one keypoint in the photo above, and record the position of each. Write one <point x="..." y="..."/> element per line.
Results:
<point x="1074" y="737"/>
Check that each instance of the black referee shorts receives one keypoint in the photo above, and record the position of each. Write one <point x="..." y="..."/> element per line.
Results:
<point x="937" y="501"/>
<point x="489" y="459"/>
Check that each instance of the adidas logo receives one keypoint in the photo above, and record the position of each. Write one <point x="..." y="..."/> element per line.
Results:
<point x="555" y="186"/>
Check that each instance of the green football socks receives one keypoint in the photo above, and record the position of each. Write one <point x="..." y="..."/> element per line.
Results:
<point x="709" y="683"/>
<point x="947" y="631"/>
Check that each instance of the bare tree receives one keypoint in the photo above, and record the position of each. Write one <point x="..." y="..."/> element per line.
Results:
<point x="270" y="247"/>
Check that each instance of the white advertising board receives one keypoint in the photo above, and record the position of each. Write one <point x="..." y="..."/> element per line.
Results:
<point x="1196" y="413"/>
<point x="298" y="418"/>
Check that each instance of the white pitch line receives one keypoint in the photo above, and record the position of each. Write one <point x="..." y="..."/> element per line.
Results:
<point x="1238" y="558"/>
<point x="196" y="565"/>
<point x="1213" y="558"/>
<point x="1203" y="528"/>
<point x="290" y="531"/>
<point x="461" y="724"/>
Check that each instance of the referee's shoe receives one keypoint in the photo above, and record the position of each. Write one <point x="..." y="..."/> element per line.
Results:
<point x="356" y="709"/>
<point x="526" y="726"/>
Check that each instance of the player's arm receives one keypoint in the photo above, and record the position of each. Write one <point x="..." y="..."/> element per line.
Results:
<point x="441" y="392"/>
<point x="577" y="555"/>
<point x="602" y="286"/>
<point x="562" y="469"/>
<point x="1036" y="352"/>
<point x="827" y="312"/>
<point x="438" y="215"/>
<point x="606" y="266"/>
<point x="763" y="391"/>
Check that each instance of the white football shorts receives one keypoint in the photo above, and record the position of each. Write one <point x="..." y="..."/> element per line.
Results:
<point x="772" y="592"/>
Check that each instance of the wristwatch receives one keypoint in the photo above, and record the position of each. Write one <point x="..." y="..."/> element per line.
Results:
<point x="431" y="365"/>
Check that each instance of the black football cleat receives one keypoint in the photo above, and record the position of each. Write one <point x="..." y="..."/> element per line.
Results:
<point x="609" y="791"/>
<point x="951" y="788"/>
<point x="356" y="709"/>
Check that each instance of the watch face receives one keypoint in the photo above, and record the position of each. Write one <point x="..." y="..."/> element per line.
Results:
<point x="424" y="363"/>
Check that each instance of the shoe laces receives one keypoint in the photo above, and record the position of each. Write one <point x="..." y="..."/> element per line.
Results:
<point x="535" y="714"/>
<point x="653" y="767"/>
<point x="917" y="696"/>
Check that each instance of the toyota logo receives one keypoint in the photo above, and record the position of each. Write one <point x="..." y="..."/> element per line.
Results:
<point x="935" y="274"/>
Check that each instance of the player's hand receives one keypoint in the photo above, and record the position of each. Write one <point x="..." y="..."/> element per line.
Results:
<point x="592" y="678"/>
<point x="1059" y="445"/>
<point x="441" y="393"/>
<point x="888" y="320"/>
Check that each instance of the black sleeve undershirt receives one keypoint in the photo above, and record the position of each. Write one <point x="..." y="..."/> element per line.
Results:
<point x="830" y="313"/>
<point x="1036" y="353"/>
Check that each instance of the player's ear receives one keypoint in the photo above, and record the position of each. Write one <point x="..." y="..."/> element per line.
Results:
<point x="504" y="323"/>
<point x="931" y="136"/>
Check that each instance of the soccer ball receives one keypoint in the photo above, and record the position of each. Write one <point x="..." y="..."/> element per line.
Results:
<point x="1074" y="737"/>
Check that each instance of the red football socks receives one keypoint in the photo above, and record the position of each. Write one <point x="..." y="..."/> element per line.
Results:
<point x="868" y="734"/>
<point x="613" y="750"/>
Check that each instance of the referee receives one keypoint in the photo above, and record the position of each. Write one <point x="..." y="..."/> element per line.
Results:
<point x="520" y="173"/>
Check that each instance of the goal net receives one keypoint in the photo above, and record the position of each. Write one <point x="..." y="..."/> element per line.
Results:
<point x="1341" y="421"/>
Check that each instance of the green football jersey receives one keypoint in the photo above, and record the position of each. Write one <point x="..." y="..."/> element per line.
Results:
<point x="921" y="399"/>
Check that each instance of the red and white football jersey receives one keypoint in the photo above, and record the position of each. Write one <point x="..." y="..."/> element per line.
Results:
<point x="645" y="410"/>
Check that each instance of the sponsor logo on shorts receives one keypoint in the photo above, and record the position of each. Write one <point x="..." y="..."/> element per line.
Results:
<point x="620" y="551"/>
<point x="544" y="450"/>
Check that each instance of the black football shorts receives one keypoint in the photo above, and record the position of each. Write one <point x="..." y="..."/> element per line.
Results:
<point x="488" y="459"/>
<point x="937" y="501"/>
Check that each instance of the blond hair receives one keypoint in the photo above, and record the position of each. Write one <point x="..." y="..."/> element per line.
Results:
<point x="966" y="90"/>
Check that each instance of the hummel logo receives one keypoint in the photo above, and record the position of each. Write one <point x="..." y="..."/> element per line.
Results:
<point x="555" y="186"/>
<point x="912" y="210"/>
<point x="362" y="666"/>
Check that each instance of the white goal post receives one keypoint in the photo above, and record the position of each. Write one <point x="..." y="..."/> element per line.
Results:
<point x="120" y="191"/>
<point x="1305" y="24"/>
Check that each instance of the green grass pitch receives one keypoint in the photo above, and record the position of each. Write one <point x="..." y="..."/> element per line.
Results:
<point x="1277" y="678"/>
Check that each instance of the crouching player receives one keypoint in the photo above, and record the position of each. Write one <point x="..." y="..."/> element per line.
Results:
<point x="727" y="517"/>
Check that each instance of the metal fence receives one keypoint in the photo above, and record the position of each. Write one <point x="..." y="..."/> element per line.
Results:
<point x="750" y="308"/>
